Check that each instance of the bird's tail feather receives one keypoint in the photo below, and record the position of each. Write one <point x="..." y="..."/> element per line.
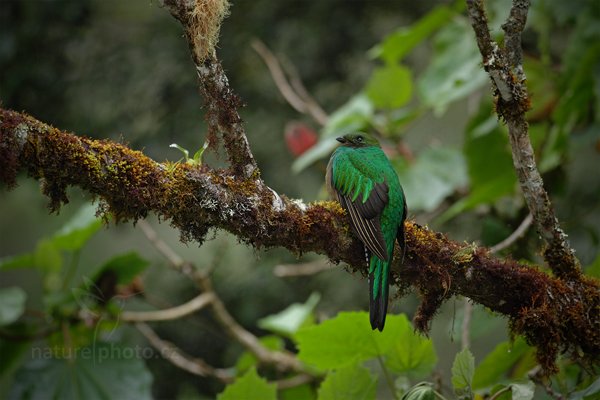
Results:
<point x="378" y="292"/>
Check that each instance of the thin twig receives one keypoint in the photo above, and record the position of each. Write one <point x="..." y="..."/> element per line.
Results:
<point x="177" y="357"/>
<point x="513" y="237"/>
<point x="294" y="381"/>
<point x="174" y="259"/>
<point x="315" y="110"/>
<point x="180" y="311"/>
<point x="309" y="268"/>
<point x="536" y="377"/>
<point x="466" y="324"/>
<point x="295" y="93"/>
<point x="281" y="360"/>
<point x="500" y="392"/>
<point x="388" y="378"/>
<point x="504" y="65"/>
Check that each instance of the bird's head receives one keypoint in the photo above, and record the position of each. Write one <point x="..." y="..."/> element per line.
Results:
<point x="358" y="139"/>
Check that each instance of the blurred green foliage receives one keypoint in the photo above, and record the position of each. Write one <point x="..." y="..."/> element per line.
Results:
<point x="410" y="72"/>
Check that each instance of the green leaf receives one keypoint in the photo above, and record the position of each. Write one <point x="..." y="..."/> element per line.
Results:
<point x="127" y="266"/>
<point x="47" y="256"/>
<point x="302" y="392"/>
<point x="12" y="304"/>
<point x="390" y="86"/>
<point x="346" y="340"/>
<point x="248" y="360"/>
<point x="499" y="362"/>
<point x="522" y="391"/>
<point x="103" y="371"/>
<point x="26" y="260"/>
<point x="436" y="174"/>
<point x="197" y="159"/>
<point x="288" y="321"/>
<point x="355" y="115"/>
<point x="250" y="386"/>
<point x="184" y="151"/>
<point x="395" y="46"/>
<point x="350" y="383"/>
<point x="486" y="140"/>
<point x="586" y="393"/>
<point x="455" y="71"/>
<point x="412" y="354"/>
<point x="421" y="391"/>
<point x="13" y="353"/>
<point x="463" y="369"/>
<point x="75" y="233"/>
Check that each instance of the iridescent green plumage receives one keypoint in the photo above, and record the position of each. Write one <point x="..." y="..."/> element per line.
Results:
<point x="367" y="187"/>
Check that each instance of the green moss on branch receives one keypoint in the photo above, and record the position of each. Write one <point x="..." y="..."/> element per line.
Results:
<point x="553" y="315"/>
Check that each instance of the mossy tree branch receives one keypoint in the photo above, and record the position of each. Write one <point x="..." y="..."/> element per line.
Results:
<point x="504" y="66"/>
<point x="552" y="314"/>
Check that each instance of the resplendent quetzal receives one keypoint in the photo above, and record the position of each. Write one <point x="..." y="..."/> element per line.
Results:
<point x="366" y="185"/>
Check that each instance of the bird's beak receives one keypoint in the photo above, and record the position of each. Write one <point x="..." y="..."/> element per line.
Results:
<point x="341" y="139"/>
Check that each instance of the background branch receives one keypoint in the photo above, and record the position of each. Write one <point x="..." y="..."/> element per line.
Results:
<point x="197" y="303"/>
<point x="180" y="359"/>
<point x="281" y="360"/>
<point x="504" y="65"/>
<point x="293" y="91"/>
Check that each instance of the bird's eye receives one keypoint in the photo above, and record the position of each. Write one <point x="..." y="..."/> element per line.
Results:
<point x="359" y="139"/>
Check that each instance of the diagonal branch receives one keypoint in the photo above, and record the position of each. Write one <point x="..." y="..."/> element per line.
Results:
<point x="294" y="92"/>
<point x="552" y="314"/>
<point x="504" y="65"/>
<point x="177" y="357"/>
<point x="220" y="101"/>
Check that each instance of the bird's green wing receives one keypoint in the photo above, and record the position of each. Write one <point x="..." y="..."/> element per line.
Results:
<point x="364" y="195"/>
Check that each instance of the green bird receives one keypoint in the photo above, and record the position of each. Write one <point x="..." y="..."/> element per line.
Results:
<point x="362" y="178"/>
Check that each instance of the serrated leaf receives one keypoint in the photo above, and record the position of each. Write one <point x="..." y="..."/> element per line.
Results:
<point x="355" y="115"/>
<point x="463" y="369"/>
<point x="346" y="340"/>
<point x="522" y="391"/>
<point x="500" y="362"/>
<point x="421" y="391"/>
<point x="250" y="386"/>
<point x="103" y="371"/>
<point x="390" y="86"/>
<point x="75" y="233"/>
<point x="288" y="321"/>
<point x="353" y="382"/>
<point x="12" y="304"/>
<point x="411" y="354"/>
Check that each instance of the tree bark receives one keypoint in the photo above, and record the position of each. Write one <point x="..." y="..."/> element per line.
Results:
<point x="553" y="314"/>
